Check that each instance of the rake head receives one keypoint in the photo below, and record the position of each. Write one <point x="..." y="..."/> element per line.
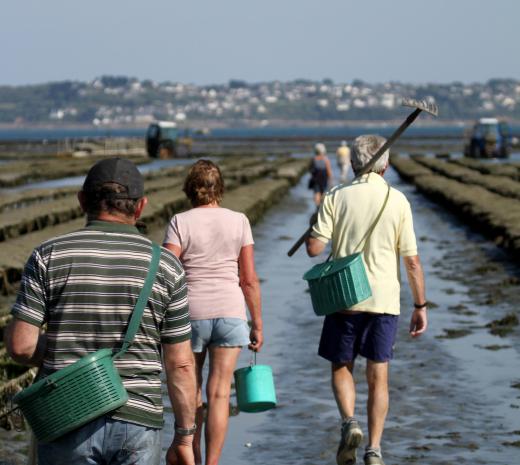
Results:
<point x="423" y="105"/>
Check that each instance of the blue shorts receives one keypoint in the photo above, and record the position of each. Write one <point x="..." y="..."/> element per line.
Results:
<point x="371" y="335"/>
<point x="220" y="332"/>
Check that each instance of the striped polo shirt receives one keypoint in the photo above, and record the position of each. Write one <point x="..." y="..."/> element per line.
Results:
<point x="84" y="286"/>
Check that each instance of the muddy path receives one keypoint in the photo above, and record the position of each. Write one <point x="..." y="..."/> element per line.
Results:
<point x="455" y="394"/>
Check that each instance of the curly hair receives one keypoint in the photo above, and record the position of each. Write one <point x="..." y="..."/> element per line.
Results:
<point x="204" y="183"/>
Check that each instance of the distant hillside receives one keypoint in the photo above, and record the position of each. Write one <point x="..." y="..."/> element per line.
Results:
<point x="129" y="101"/>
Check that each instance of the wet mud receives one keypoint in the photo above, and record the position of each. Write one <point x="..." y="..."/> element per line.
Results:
<point x="253" y="185"/>
<point x="453" y="400"/>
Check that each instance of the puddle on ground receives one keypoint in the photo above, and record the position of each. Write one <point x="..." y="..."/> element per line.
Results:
<point x="453" y="399"/>
<point x="154" y="165"/>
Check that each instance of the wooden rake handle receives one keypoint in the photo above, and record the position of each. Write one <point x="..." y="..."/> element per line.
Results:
<point x="411" y="118"/>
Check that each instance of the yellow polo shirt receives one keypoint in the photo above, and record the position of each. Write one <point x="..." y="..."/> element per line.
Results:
<point x="343" y="154"/>
<point x="346" y="214"/>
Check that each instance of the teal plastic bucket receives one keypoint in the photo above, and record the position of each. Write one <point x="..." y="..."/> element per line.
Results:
<point x="255" y="388"/>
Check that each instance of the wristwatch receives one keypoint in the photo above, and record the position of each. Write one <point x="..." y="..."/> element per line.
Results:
<point x="420" y="305"/>
<point x="185" y="431"/>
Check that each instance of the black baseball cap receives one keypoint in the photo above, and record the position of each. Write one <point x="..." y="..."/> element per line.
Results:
<point x="119" y="171"/>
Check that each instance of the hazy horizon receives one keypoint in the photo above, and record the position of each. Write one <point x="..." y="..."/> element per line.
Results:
<point x="259" y="82"/>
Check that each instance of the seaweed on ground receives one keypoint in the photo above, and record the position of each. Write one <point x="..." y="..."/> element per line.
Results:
<point x="454" y="333"/>
<point x="503" y="326"/>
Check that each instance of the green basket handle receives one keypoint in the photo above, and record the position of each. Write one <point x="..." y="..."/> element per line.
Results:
<point x="49" y="386"/>
<point x="326" y="268"/>
<point x="367" y="235"/>
<point x="138" y="311"/>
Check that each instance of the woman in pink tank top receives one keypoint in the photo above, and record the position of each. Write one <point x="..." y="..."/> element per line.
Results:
<point x="215" y="246"/>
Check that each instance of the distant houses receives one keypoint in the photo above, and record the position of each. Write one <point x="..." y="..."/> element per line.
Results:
<point x="117" y="100"/>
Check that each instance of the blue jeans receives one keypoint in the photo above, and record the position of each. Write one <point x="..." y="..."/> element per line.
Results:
<point x="104" y="442"/>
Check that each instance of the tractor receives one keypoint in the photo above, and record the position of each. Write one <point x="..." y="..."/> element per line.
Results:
<point x="163" y="141"/>
<point x="490" y="138"/>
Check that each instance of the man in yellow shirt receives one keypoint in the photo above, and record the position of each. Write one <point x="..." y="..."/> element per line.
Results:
<point x="369" y="327"/>
<point x="343" y="160"/>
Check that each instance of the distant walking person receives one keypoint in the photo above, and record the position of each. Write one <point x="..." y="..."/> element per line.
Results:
<point x="369" y="327"/>
<point x="215" y="246"/>
<point x="343" y="160"/>
<point x="321" y="172"/>
<point x="84" y="286"/>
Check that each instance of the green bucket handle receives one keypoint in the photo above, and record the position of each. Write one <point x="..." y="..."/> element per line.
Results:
<point x="255" y="388"/>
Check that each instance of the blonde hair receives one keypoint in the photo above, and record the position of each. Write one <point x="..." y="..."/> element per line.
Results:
<point x="204" y="183"/>
<point x="320" y="149"/>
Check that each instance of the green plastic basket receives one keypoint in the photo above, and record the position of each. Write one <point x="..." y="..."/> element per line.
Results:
<point x="338" y="284"/>
<point x="73" y="396"/>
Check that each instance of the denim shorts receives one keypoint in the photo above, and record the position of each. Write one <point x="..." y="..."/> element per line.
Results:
<point x="104" y="440"/>
<point x="220" y="332"/>
<point x="371" y="335"/>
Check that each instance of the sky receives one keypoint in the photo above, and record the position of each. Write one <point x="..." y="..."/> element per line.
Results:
<point x="211" y="42"/>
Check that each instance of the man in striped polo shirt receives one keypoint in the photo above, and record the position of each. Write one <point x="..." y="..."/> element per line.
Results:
<point x="84" y="286"/>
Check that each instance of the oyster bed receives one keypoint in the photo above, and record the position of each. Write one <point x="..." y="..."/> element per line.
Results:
<point x="485" y="196"/>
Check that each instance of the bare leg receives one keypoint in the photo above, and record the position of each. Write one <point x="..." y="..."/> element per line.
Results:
<point x="199" y="418"/>
<point x="344" y="388"/>
<point x="377" y="404"/>
<point x="222" y="362"/>
<point x="317" y="199"/>
<point x="344" y="172"/>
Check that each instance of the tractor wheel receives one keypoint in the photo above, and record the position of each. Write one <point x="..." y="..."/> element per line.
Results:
<point x="504" y="152"/>
<point x="474" y="152"/>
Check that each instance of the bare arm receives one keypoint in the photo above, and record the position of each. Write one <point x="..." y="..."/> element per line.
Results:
<point x="419" y="320"/>
<point x="321" y="228"/>
<point x="25" y="343"/>
<point x="175" y="249"/>
<point x="329" y="170"/>
<point x="251" y="289"/>
<point x="179" y="365"/>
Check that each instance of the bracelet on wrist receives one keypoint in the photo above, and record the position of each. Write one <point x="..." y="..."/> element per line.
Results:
<point x="185" y="431"/>
<point x="419" y="306"/>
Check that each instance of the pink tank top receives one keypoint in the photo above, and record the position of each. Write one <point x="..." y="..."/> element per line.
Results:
<point x="210" y="240"/>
